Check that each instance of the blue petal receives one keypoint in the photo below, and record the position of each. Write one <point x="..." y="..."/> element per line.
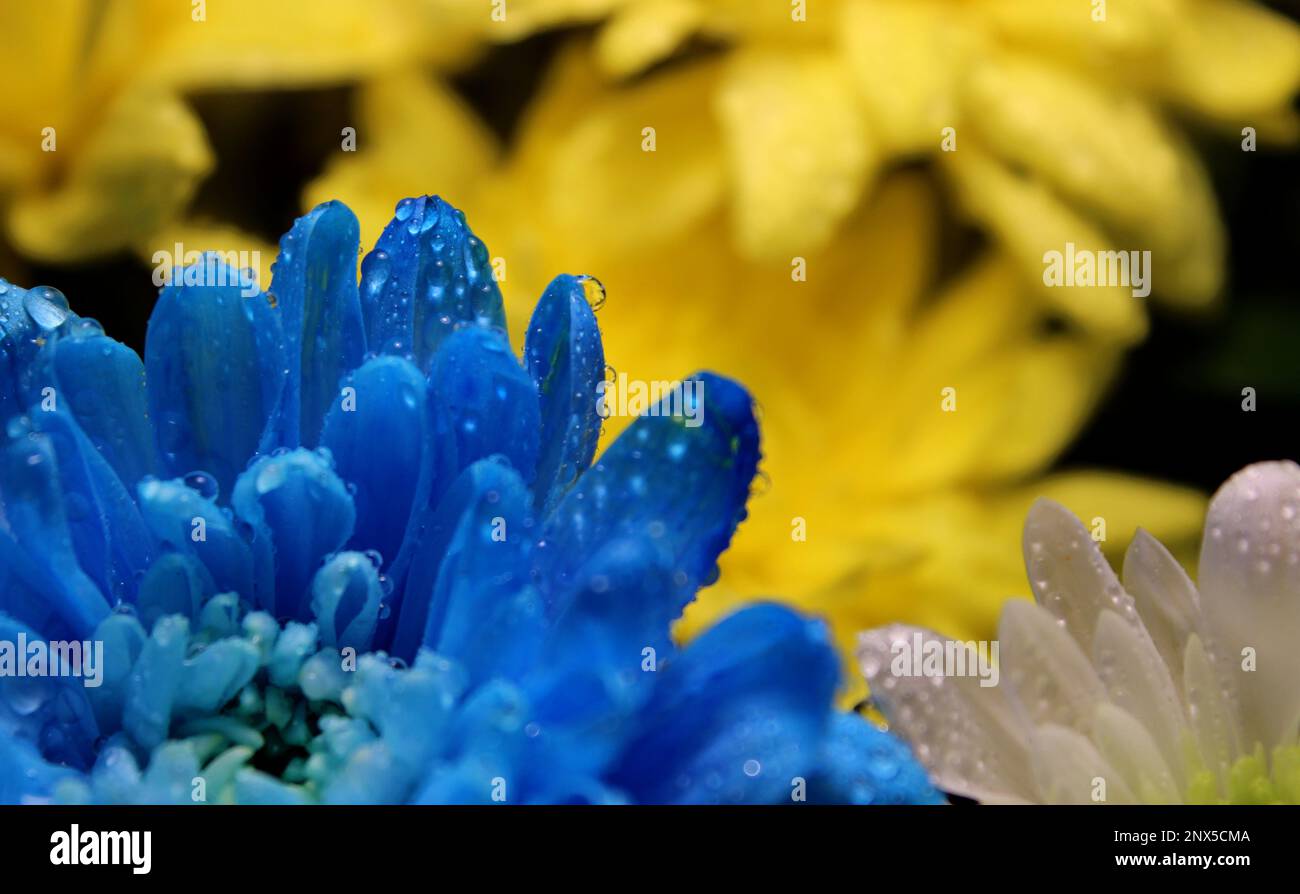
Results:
<point x="427" y="273"/>
<point x="489" y="401"/>
<point x="154" y="680"/>
<point x="292" y="648"/>
<point x="186" y="521"/>
<point x="345" y="599"/>
<point x="378" y="436"/>
<point x="484" y="611"/>
<point x="411" y="709"/>
<point x="214" y="676"/>
<point x="32" y="503"/>
<point x="25" y="777"/>
<point x="85" y="517"/>
<point x="322" y="677"/>
<point x="598" y="663"/>
<point x="215" y="367"/>
<point x="28" y="317"/>
<point x="102" y="383"/>
<point x="314" y="281"/>
<point x="461" y="530"/>
<point x="116" y="776"/>
<point x="169" y="778"/>
<point x="112" y="542"/>
<point x="566" y="360"/>
<point x="123" y="640"/>
<point x="17" y="348"/>
<point x="681" y="480"/>
<point x="738" y="715"/>
<point x="488" y="744"/>
<point x="861" y="764"/>
<point x="50" y="711"/>
<point x="299" y="505"/>
<point x="175" y="584"/>
<point x="621" y="604"/>
<point x="27" y="591"/>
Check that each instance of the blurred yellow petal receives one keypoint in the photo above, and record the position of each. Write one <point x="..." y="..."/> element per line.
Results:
<point x="507" y="20"/>
<point x="1230" y="60"/>
<point x="796" y="25"/>
<point x="1042" y="394"/>
<point x="131" y="177"/>
<point x="40" y="44"/>
<point x="641" y="34"/>
<point x="1111" y="155"/>
<point x="129" y="152"/>
<point x="906" y="59"/>
<point x="984" y="396"/>
<point x="639" y="164"/>
<point x="1133" y="29"/>
<point x="1030" y="220"/>
<point x="414" y="136"/>
<point x="44" y="38"/>
<point x="798" y="150"/>
<point x="288" y="43"/>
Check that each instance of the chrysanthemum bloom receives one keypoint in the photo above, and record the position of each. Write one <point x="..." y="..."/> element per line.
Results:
<point x="1155" y="690"/>
<point x="336" y="543"/>
<point x="1052" y="120"/>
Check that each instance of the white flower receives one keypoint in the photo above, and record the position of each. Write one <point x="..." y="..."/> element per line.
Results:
<point x="1154" y="690"/>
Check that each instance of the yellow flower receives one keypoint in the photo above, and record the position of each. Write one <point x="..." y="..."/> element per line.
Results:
<point x="99" y="152"/>
<point x="1060" y="117"/>
<point x="882" y="505"/>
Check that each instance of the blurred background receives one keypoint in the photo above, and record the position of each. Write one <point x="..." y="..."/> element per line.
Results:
<point x="780" y="138"/>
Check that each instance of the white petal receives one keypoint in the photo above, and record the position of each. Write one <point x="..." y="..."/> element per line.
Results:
<point x="1212" y="720"/>
<point x="1127" y="745"/>
<point x="1165" y="597"/>
<point x="964" y="734"/>
<point x="1068" y="770"/>
<point x="1050" y="679"/>
<point x="1138" y="681"/>
<point x="1250" y="595"/>
<point x="1070" y="576"/>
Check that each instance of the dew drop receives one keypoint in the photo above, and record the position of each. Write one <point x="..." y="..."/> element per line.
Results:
<point x="594" y="291"/>
<point x="203" y="484"/>
<point x="47" y="307"/>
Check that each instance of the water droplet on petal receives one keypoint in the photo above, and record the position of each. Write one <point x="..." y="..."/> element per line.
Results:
<point x="47" y="307"/>
<point x="594" y="291"/>
<point x="202" y="483"/>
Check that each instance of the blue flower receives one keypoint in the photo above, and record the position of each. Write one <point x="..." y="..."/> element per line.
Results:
<point x="336" y="543"/>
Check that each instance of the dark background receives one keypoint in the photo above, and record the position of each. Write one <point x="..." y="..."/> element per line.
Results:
<point x="1175" y="412"/>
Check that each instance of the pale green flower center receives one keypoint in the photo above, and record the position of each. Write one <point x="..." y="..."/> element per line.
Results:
<point x="1250" y="781"/>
